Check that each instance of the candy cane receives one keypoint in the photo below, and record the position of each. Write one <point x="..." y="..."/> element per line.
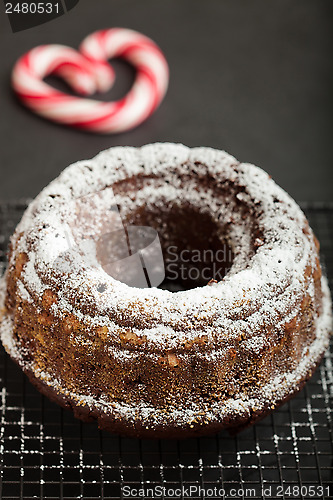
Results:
<point x="87" y="72"/>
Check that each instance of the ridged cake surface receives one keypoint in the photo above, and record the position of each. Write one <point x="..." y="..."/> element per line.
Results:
<point x="147" y="361"/>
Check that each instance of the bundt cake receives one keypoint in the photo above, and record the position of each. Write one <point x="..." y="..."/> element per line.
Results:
<point x="151" y="362"/>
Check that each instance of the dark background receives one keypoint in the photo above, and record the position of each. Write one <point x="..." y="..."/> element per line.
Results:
<point x="253" y="78"/>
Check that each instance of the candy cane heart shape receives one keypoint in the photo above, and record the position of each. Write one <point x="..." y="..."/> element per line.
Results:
<point x="81" y="75"/>
<point x="87" y="72"/>
<point x="151" y="79"/>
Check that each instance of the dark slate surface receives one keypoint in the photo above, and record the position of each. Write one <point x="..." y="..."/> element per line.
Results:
<point x="253" y="78"/>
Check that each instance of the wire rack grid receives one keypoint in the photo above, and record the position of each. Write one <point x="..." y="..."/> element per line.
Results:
<point x="45" y="453"/>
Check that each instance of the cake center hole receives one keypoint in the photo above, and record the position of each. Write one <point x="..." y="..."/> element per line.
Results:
<point x="195" y="251"/>
<point x="192" y="267"/>
<point x="186" y="249"/>
<point x="175" y="248"/>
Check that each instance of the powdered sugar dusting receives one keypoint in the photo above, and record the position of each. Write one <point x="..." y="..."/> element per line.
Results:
<point x="272" y="282"/>
<point x="243" y="404"/>
<point x="275" y="257"/>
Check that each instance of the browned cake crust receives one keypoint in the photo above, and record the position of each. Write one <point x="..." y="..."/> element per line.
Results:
<point x="233" y="422"/>
<point x="149" y="362"/>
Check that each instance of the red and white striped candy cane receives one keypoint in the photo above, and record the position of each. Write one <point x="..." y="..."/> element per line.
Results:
<point x="88" y="72"/>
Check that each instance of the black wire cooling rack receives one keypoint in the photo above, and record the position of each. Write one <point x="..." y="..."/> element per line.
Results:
<point x="45" y="453"/>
